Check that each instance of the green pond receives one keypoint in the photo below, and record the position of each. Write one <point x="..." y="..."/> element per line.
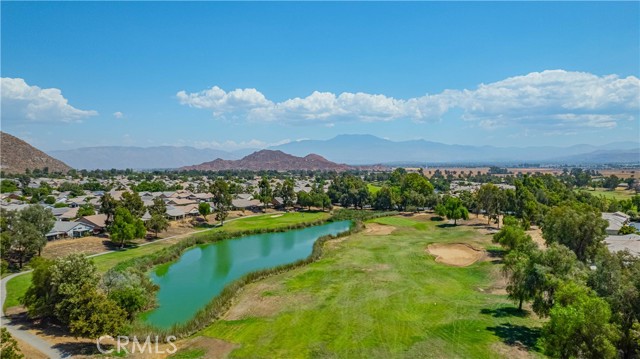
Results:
<point x="188" y="284"/>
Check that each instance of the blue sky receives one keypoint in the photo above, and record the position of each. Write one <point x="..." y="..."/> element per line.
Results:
<point x="239" y="75"/>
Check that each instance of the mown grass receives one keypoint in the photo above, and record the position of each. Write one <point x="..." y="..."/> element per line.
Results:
<point x="16" y="287"/>
<point x="373" y="189"/>
<point x="271" y="221"/>
<point x="384" y="297"/>
<point x="615" y="194"/>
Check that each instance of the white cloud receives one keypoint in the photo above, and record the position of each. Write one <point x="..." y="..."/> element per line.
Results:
<point x="553" y="98"/>
<point x="118" y="114"/>
<point x="24" y="103"/>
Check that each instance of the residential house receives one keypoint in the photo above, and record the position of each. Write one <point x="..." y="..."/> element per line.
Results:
<point x="616" y="221"/>
<point x="630" y="242"/>
<point x="96" y="221"/>
<point x="68" y="229"/>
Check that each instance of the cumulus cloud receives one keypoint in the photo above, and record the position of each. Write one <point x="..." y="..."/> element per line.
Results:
<point x="24" y="103"/>
<point x="552" y="98"/>
<point x="118" y="114"/>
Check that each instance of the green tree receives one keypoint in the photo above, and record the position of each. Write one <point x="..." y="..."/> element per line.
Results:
<point x="490" y="199"/>
<point x="7" y="186"/>
<point x="86" y="210"/>
<point x="287" y="193"/>
<point x="452" y="208"/>
<point x="304" y="199"/>
<point x="158" y="207"/>
<point x="549" y="269"/>
<point x="627" y="230"/>
<point x="579" y="325"/>
<point x="131" y="289"/>
<point x="414" y="189"/>
<point x="94" y="315"/>
<point x="126" y="227"/>
<point x="611" y="182"/>
<point x="133" y="203"/>
<point x="512" y="237"/>
<point x="616" y="279"/>
<point x="579" y="227"/>
<point x="517" y="269"/>
<point x="265" y="193"/>
<point x="41" y="219"/>
<point x="108" y="207"/>
<point x="204" y="209"/>
<point x="157" y="223"/>
<point x="384" y="199"/>
<point x="319" y="198"/>
<point x="222" y="199"/>
<point x="9" y="346"/>
<point x="25" y="240"/>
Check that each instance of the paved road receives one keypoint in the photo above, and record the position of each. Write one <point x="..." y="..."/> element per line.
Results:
<point x="37" y="342"/>
<point x="33" y="340"/>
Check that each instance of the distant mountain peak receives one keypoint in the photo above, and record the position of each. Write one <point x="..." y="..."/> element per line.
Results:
<point x="18" y="156"/>
<point x="264" y="160"/>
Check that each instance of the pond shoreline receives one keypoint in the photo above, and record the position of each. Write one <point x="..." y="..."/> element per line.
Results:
<point x="220" y="304"/>
<point x="201" y="273"/>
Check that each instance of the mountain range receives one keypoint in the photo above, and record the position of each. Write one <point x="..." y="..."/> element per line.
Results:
<point x="122" y="157"/>
<point x="271" y="160"/>
<point x="356" y="150"/>
<point x="367" y="149"/>
<point x="16" y="156"/>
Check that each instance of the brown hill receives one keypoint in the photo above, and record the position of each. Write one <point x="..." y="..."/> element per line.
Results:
<point x="16" y="156"/>
<point x="271" y="160"/>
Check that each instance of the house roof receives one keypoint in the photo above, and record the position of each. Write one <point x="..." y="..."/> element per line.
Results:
<point x="630" y="242"/>
<point x="180" y="201"/>
<point x="70" y="213"/>
<point x="64" y="227"/>
<point x="244" y="203"/>
<point x="173" y="211"/>
<point x="96" y="220"/>
<point x="616" y="220"/>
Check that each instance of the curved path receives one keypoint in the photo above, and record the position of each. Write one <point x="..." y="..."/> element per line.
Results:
<point x="18" y="332"/>
<point x="42" y="345"/>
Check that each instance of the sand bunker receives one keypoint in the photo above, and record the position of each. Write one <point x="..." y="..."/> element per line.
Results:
<point x="455" y="254"/>
<point x="376" y="229"/>
<point x="277" y="215"/>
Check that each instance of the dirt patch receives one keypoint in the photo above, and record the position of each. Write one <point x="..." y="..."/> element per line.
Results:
<point x="28" y="351"/>
<point x="84" y="245"/>
<point x="455" y="254"/>
<point x="536" y="235"/>
<point x="511" y="351"/>
<point x="261" y="300"/>
<point x="214" y="348"/>
<point x="376" y="229"/>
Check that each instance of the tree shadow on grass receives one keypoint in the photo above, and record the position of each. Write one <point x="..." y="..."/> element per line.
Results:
<point x="446" y="225"/>
<point x="505" y="312"/>
<point x="83" y="348"/>
<point x="517" y="335"/>
<point x="436" y="219"/>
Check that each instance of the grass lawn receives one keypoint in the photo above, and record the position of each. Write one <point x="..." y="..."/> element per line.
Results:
<point x="617" y="194"/>
<point x="374" y="296"/>
<point x="271" y="221"/>
<point x="373" y="189"/>
<point x="17" y="286"/>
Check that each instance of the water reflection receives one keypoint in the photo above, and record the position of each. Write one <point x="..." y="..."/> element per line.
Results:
<point x="202" y="272"/>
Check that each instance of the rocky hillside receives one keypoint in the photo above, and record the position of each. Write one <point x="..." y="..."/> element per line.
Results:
<point x="271" y="160"/>
<point x="16" y="156"/>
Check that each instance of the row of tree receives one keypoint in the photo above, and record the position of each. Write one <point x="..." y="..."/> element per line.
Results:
<point x="23" y="233"/>
<point x="591" y="297"/>
<point x="70" y="291"/>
